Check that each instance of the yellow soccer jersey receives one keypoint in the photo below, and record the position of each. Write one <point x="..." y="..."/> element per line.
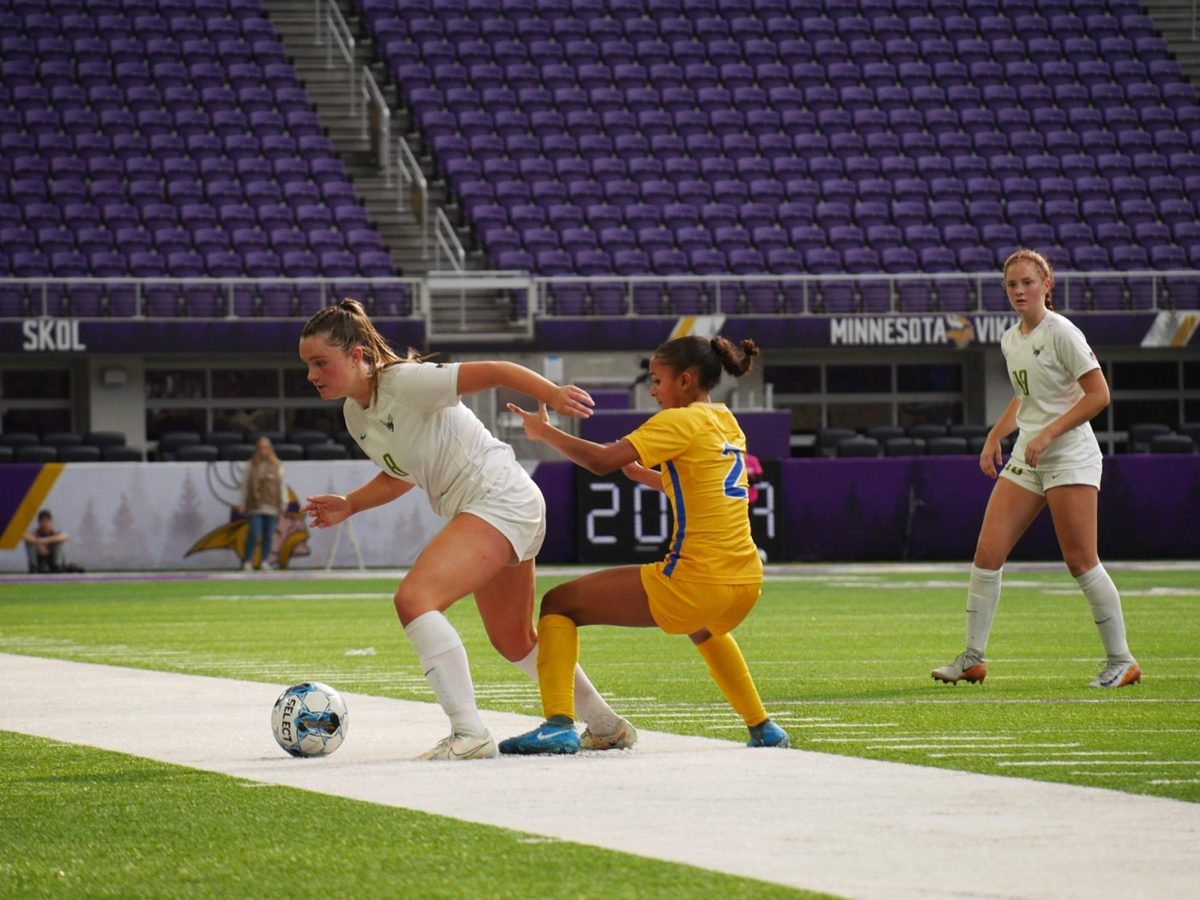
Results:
<point x="701" y="452"/>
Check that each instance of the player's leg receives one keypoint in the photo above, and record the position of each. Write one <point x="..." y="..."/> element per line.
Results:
<point x="506" y="607"/>
<point x="1011" y="509"/>
<point x="268" y="532"/>
<point x="610" y="597"/>
<point x="728" y="669"/>
<point x="253" y="531"/>
<point x="1073" y="509"/>
<point x="465" y="554"/>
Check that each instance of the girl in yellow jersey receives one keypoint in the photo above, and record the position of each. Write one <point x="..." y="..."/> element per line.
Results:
<point x="711" y="577"/>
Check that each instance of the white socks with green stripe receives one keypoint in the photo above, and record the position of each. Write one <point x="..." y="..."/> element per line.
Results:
<point x="444" y="662"/>
<point x="1105" y="601"/>
<point x="983" y="596"/>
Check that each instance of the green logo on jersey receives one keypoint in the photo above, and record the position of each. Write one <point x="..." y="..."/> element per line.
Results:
<point x="392" y="467"/>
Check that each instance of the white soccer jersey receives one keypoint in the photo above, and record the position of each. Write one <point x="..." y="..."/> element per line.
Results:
<point x="418" y="431"/>
<point x="1045" y="367"/>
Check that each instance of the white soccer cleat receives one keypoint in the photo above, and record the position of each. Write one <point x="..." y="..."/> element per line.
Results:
<point x="967" y="667"/>
<point x="623" y="737"/>
<point x="1115" y="675"/>
<point x="459" y="747"/>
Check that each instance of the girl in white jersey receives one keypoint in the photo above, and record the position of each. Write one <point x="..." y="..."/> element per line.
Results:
<point x="1059" y="388"/>
<point x="407" y="417"/>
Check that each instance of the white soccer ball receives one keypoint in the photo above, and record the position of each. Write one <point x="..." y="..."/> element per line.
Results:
<point x="310" y="719"/>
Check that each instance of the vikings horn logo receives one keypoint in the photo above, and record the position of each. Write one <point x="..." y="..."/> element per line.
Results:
<point x="962" y="333"/>
<point x="291" y="532"/>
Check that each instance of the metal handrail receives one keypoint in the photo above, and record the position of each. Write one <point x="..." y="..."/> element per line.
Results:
<point x="372" y="93"/>
<point x="341" y="37"/>
<point x="446" y="240"/>
<point x="412" y="176"/>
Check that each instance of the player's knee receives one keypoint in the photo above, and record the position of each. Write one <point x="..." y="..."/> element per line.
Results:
<point x="557" y="601"/>
<point x="410" y="604"/>
<point x="1080" y="562"/>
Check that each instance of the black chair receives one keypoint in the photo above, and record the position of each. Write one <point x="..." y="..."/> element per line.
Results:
<point x="104" y="439"/>
<point x="197" y="453"/>
<point x="828" y="439"/>
<point x="1191" y="429"/>
<point x="35" y="453"/>
<point x="858" y="446"/>
<point x="949" y="445"/>
<point x="277" y="437"/>
<point x="1141" y="434"/>
<point x="6" y="454"/>
<point x="1172" y="443"/>
<point x="239" y="452"/>
<point x="79" y="453"/>
<point x="288" y="452"/>
<point x="926" y="430"/>
<point x="19" y="439"/>
<point x="221" y="438"/>
<point x="881" y="433"/>
<point x="306" y="436"/>
<point x="62" y="439"/>
<point x="171" y="441"/>
<point x="328" y="450"/>
<point x="904" y="446"/>
<point x="120" y="453"/>
<point x="969" y="431"/>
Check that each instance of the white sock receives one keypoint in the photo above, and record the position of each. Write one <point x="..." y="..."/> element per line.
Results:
<point x="589" y="705"/>
<point x="1102" y="594"/>
<point x="983" y="596"/>
<point x="444" y="662"/>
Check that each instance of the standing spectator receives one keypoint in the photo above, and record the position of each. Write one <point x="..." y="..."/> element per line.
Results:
<point x="264" y="498"/>
<point x="44" y="545"/>
<point x="1059" y="388"/>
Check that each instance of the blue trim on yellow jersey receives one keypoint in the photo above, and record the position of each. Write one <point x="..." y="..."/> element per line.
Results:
<point x="680" y="520"/>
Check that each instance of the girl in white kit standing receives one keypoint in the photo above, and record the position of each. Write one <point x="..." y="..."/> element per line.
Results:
<point x="1059" y="388"/>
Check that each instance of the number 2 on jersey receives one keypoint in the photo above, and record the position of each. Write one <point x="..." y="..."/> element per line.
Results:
<point x="732" y="488"/>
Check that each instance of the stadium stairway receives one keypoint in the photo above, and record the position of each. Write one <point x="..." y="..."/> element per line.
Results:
<point x="1177" y="22"/>
<point x="329" y="90"/>
<point x="485" y="315"/>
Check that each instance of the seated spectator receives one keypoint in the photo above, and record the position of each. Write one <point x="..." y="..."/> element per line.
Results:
<point x="44" y="544"/>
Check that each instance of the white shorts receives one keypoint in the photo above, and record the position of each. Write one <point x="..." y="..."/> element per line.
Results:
<point x="514" y="506"/>
<point x="1041" y="480"/>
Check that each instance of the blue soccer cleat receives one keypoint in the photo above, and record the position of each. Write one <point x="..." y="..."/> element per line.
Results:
<point x="556" y="735"/>
<point x="768" y="734"/>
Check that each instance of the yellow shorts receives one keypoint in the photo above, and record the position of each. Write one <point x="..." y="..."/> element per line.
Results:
<point x="682" y="607"/>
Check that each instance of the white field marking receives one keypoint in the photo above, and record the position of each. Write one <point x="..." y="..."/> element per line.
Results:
<point x="1102" y="762"/>
<point x="1106" y="697"/>
<point x="1040" y="754"/>
<point x="1174" y="781"/>
<point x="1145" y="592"/>
<point x="892" y="585"/>
<point x="378" y="595"/>
<point x="915" y="737"/>
<point x="836" y="824"/>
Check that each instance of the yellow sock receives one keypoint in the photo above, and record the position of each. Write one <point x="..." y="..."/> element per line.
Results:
<point x="558" y="652"/>
<point x="728" y="669"/>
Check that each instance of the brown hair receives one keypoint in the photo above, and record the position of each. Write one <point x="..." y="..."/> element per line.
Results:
<point x="707" y="357"/>
<point x="1042" y="264"/>
<point x="347" y="326"/>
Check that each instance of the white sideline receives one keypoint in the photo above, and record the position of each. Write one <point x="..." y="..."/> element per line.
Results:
<point x="847" y="826"/>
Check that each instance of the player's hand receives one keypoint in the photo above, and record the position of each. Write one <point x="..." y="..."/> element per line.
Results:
<point x="569" y="400"/>
<point x="991" y="458"/>
<point x="1036" y="447"/>
<point x="324" y="510"/>
<point x="536" y="424"/>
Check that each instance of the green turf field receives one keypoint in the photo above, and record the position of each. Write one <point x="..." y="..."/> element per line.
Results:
<point x="842" y="659"/>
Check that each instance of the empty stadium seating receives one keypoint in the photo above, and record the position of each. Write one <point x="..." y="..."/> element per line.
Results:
<point x="167" y="139"/>
<point x="969" y="127"/>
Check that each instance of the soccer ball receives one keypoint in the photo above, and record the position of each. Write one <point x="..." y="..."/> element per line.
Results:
<point x="310" y="719"/>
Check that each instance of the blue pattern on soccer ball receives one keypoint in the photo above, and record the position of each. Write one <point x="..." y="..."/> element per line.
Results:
<point x="310" y="719"/>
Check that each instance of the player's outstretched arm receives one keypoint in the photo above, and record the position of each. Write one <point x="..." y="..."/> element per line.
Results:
<point x="635" y="471"/>
<point x="324" y="510"/>
<point x="566" y="400"/>
<point x="597" y="458"/>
